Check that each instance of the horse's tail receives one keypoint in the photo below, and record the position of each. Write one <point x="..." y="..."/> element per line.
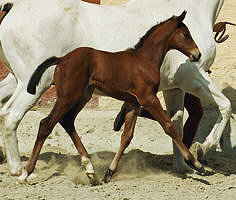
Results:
<point x="120" y="119"/>
<point x="4" y="10"/>
<point x="36" y="76"/>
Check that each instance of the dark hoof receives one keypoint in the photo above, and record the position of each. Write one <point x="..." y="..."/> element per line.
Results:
<point x="93" y="180"/>
<point x="198" y="168"/>
<point x="108" y="175"/>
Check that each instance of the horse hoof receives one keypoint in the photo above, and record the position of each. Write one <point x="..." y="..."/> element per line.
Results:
<point x="93" y="179"/>
<point x="197" y="166"/>
<point x="17" y="171"/>
<point x="23" y="177"/>
<point x="32" y="176"/>
<point x="198" y="150"/>
<point x="108" y="175"/>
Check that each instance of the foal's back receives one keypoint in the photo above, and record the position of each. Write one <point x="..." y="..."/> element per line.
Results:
<point x="102" y="68"/>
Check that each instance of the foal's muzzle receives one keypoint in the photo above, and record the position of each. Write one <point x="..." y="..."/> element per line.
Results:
<point x="195" y="56"/>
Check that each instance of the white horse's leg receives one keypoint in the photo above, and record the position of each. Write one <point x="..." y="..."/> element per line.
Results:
<point x="11" y="115"/>
<point x="174" y="100"/>
<point x="203" y="87"/>
<point x="7" y="87"/>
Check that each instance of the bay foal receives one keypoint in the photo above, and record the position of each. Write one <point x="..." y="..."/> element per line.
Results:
<point x="132" y="75"/>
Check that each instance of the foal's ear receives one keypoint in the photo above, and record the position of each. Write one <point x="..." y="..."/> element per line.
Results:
<point x="182" y="16"/>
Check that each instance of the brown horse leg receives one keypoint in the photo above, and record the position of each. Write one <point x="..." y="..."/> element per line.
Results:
<point x="67" y="123"/>
<point x="195" y="111"/>
<point x="120" y="118"/>
<point x="154" y="107"/>
<point x="45" y="128"/>
<point x="126" y="137"/>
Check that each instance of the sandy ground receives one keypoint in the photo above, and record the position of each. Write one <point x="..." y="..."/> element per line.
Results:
<point x="146" y="169"/>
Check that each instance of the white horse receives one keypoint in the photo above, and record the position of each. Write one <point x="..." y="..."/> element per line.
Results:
<point x="34" y="30"/>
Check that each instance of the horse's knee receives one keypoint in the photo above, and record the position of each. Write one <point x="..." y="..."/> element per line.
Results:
<point x="9" y="122"/>
<point x="226" y="108"/>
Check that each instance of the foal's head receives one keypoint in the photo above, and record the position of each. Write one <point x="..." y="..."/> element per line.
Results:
<point x="181" y="39"/>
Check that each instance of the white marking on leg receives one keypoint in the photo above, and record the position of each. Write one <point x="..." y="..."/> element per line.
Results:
<point x="87" y="165"/>
<point x="213" y="138"/>
<point x="23" y="177"/>
<point x="114" y="162"/>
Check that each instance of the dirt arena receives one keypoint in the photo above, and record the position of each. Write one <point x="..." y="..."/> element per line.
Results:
<point x="146" y="169"/>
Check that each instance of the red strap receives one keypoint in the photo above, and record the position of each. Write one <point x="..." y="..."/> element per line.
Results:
<point x="93" y="1"/>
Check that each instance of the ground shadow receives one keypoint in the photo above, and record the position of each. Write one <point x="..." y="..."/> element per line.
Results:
<point x="230" y="93"/>
<point x="134" y="164"/>
<point x="221" y="162"/>
<point x="228" y="139"/>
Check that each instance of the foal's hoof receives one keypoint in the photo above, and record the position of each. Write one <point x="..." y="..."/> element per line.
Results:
<point x="108" y="175"/>
<point x="197" y="166"/>
<point x="93" y="180"/>
<point x="23" y="177"/>
<point x="198" y="150"/>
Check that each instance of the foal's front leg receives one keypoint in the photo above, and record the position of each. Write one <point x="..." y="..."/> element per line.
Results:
<point x="131" y="115"/>
<point x="152" y="104"/>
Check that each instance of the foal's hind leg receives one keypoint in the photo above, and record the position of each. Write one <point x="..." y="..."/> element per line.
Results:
<point x="68" y="124"/>
<point x="45" y="128"/>
<point x="132" y="113"/>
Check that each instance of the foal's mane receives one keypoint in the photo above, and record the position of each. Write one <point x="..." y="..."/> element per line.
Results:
<point x="149" y="32"/>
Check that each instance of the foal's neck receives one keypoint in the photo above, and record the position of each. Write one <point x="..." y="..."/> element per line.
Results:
<point x="155" y="48"/>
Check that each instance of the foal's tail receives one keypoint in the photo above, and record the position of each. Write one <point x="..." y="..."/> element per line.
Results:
<point x="36" y="76"/>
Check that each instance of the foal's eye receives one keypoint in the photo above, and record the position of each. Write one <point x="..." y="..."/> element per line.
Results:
<point x="186" y="36"/>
